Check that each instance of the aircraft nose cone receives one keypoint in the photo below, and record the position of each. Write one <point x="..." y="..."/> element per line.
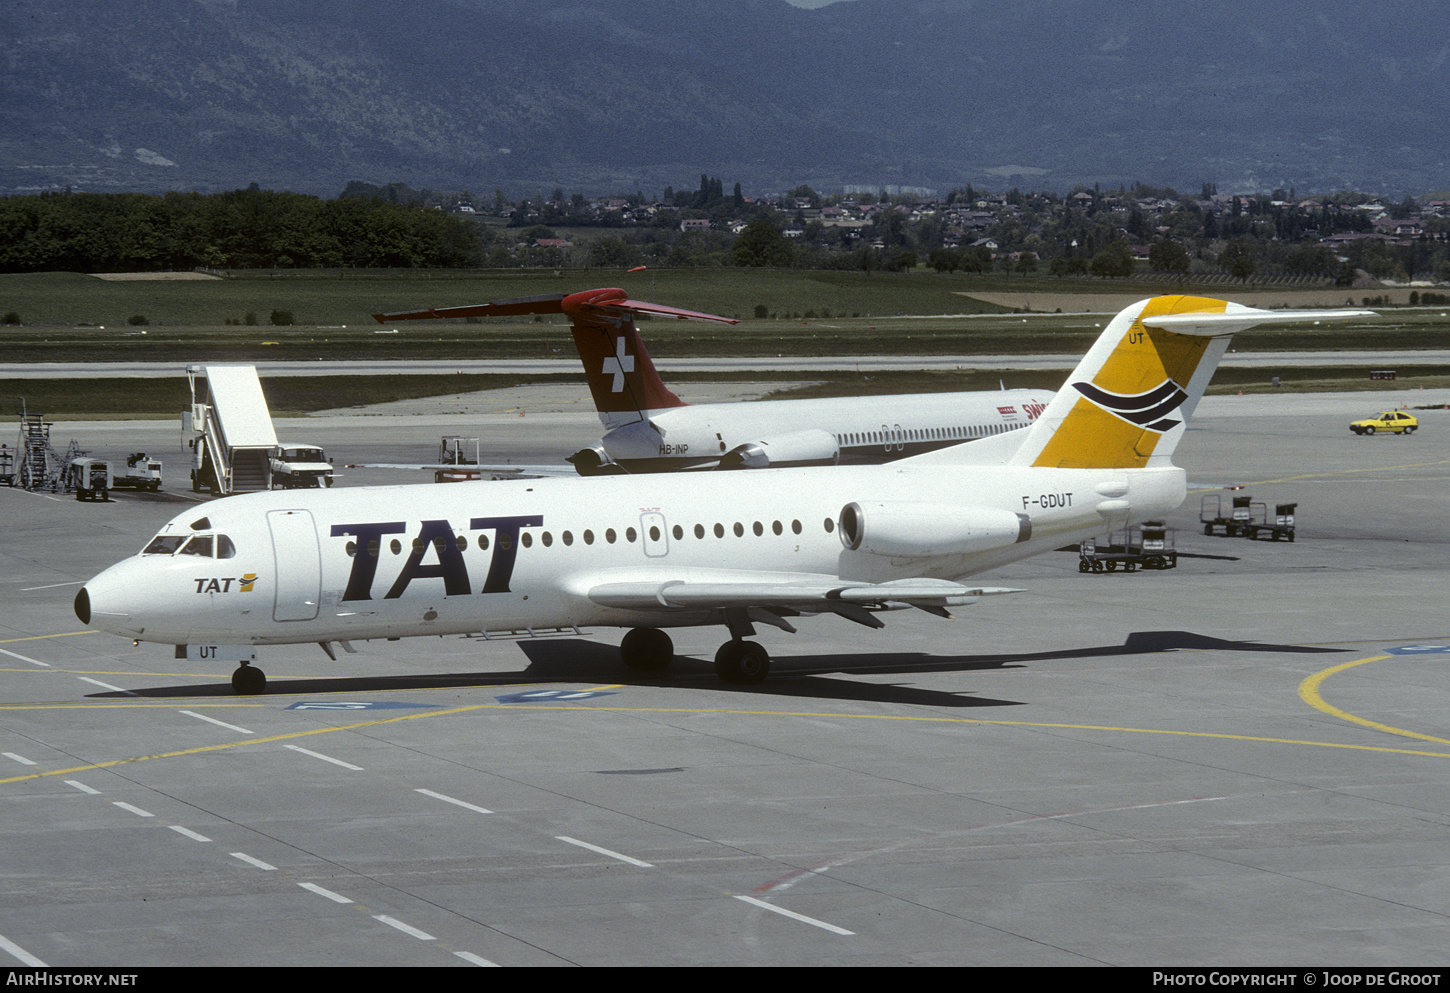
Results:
<point x="107" y="602"/>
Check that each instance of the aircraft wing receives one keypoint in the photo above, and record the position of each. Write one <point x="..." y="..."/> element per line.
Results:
<point x="595" y="303"/>
<point x="802" y="594"/>
<point x="514" y="471"/>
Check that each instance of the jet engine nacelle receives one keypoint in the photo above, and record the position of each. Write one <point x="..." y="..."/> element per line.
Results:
<point x="925" y="530"/>
<point x="815" y="447"/>
<point x="594" y="462"/>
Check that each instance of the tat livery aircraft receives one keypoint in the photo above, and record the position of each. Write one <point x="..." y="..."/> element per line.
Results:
<point x="649" y="429"/>
<point x="657" y="551"/>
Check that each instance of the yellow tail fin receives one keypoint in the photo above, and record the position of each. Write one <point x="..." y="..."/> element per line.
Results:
<point x="1126" y="403"/>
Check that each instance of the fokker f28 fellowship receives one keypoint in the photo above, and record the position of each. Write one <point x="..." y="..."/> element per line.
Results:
<point x="659" y="551"/>
<point x="649" y="429"/>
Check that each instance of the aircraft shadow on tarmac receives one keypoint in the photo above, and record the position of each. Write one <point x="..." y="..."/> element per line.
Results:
<point x="798" y="676"/>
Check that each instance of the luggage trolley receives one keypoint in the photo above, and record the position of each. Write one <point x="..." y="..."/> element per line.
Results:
<point x="1282" y="525"/>
<point x="1149" y="545"/>
<point x="1210" y="514"/>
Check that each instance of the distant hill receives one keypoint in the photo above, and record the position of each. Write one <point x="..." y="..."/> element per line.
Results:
<point x="618" y="95"/>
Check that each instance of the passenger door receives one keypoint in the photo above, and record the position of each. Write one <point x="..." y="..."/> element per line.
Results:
<point x="297" y="565"/>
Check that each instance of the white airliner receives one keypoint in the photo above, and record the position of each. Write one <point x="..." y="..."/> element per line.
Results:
<point x="659" y="551"/>
<point x="649" y="429"/>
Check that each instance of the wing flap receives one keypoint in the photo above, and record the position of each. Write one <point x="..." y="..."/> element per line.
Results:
<point x="823" y="594"/>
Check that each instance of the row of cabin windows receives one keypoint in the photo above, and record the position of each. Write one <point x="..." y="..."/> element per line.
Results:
<point x="546" y="538"/>
<point x="919" y="434"/>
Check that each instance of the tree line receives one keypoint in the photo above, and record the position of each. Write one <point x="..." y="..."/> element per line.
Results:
<point x="252" y="228"/>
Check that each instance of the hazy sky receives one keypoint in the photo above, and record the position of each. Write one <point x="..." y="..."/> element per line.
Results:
<point x="813" y="3"/>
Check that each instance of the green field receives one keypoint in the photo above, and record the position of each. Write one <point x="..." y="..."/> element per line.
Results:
<point x="74" y="317"/>
<point x="333" y="297"/>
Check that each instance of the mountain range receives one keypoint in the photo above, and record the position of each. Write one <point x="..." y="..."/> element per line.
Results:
<point x="608" y="96"/>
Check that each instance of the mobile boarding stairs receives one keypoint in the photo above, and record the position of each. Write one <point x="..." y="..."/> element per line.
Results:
<point x="230" y="430"/>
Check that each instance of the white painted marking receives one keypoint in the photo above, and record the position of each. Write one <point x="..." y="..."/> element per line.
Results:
<point x="405" y="928"/>
<point x="32" y="589"/>
<point x="21" y="953"/>
<point x="334" y="897"/>
<point x="793" y="915"/>
<point x="476" y="959"/>
<point x="104" y="686"/>
<point x="326" y="758"/>
<point x="82" y="787"/>
<point x="188" y="832"/>
<point x="213" y="720"/>
<point x="135" y="810"/>
<point x="461" y="803"/>
<point x="251" y="861"/>
<point x="604" y="851"/>
<point x="24" y="658"/>
<point x="17" y="758"/>
<point x="43" y="496"/>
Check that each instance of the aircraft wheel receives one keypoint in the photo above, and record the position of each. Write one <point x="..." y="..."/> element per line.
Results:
<point x="742" y="662"/>
<point x="647" y="649"/>
<point x="248" y="680"/>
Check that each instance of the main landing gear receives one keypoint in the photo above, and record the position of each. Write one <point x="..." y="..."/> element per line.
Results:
<point x="650" y="650"/>
<point x="248" y="680"/>
<point x="742" y="662"/>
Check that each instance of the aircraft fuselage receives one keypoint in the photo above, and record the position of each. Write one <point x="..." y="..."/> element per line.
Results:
<point x="855" y="430"/>
<point x="399" y="561"/>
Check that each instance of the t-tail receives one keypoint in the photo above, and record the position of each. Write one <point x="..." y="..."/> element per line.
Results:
<point x="622" y="378"/>
<point x="1128" y="401"/>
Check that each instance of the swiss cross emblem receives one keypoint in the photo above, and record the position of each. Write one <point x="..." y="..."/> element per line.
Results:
<point x="617" y="365"/>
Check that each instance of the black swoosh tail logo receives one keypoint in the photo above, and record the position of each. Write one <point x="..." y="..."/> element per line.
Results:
<point x="1149" y="409"/>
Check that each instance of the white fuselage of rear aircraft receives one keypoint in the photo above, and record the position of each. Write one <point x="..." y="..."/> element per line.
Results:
<point x="817" y="431"/>
<point x="386" y="562"/>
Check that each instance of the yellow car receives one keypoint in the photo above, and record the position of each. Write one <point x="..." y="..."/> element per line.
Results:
<point x="1390" y="420"/>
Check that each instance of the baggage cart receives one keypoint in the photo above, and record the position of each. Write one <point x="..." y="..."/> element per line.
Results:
<point x="1149" y="545"/>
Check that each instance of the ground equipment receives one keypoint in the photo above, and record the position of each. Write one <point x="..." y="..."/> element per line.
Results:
<point x="1210" y="514"/>
<point x="1149" y="545"/>
<point x="1282" y="526"/>
<point x="142" y="472"/>
<point x="90" y="478"/>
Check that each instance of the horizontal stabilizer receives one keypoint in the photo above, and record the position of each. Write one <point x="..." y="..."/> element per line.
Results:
<point x="597" y="304"/>
<point x="1238" y="318"/>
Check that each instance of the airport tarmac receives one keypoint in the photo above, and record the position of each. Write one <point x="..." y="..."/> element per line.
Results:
<point x="1241" y="761"/>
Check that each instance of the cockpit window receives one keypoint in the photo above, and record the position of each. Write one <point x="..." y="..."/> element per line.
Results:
<point x="224" y="547"/>
<point x="164" y="544"/>
<point x="199" y="545"/>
